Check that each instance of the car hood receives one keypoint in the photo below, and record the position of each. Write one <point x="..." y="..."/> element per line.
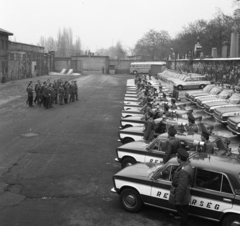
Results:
<point x="140" y="170"/>
<point x="227" y="110"/>
<point x="199" y="94"/>
<point x="235" y="119"/>
<point x="132" y="118"/>
<point x="134" y="129"/>
<point x="193" y="92"/>
<point x="136" y="145"/>
<point x="207" y="98"/>
<point x="218" y="103"/>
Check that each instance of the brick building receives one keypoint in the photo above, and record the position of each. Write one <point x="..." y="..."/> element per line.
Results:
<point x="4" y="46"/>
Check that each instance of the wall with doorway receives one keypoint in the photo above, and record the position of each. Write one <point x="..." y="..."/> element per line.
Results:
<point x="121" y="66"/>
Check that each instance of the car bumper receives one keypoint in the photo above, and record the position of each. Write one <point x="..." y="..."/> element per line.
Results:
<point x="220" y="120"/>
<point x="113" y="190"/>
<point x="233" y="130"/>
<point x="208" y="112"/>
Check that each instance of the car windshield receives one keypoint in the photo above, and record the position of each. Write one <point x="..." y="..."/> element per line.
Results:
<point x="158" y="171"/>
<point x="207" y="88"/>
<point x="215" y="90"/>
<point x="224" y="94"/>
<point x="234" y="99"/>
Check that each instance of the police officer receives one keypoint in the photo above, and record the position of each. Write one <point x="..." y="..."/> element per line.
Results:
<point x="173" y="104"/>
<point x="61" y="94"/>
<point x="172" y="144"/>
<point x="192" y="127"/>
<point x="181" y="182"/>
<point x="208" y="146"/>
<point x="164" y="98"/>
<point x="149" y="127"/>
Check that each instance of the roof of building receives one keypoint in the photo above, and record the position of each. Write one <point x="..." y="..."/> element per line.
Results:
<point x="5" y="32"/>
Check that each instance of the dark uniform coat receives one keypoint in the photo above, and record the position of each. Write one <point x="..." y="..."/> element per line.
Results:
<point x="181" y="181"/>
<point x="149" y="130"/>
<point x="172" y="145"/>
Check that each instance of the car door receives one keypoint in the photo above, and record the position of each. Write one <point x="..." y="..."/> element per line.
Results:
<point x="211" y="194"/>
<point x="160" y="190"/>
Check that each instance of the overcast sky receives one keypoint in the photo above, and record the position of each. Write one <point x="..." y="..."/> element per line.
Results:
<point x="101" y="23"/>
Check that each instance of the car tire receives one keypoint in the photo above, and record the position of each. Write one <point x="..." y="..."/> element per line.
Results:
<point x="127" y="140"/>
<point x="230" y="219"/>
<point x="127" y="161"/>
<point x="180" y="87"/>
<point x="201" y="86"/>
<point x="130" y="200"/>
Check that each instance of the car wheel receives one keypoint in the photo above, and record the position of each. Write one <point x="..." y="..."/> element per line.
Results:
<point x="201" y="86"/>
<point x="128" y="161"/>
<point x="231" y="220"/>
<point x="130" y="200"/>
<point x="179" y="87"/>
<point x="127" y="140"/>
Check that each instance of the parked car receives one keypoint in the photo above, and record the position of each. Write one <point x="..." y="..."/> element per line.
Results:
<point x="214" y="91"/>
<point x="224" y="95"/>
<point x="173" y="120"/>
<point x="223" y="113"/>
<point x="206" y="89"/>
<point x="214" y="189"/>
<point x="138" y="151"/>
<point x="196" y="82"/>
<point x="233" y="124"/>
<point x="233" y="101"/>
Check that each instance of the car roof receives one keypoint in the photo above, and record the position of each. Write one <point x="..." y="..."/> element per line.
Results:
<point x="216" y="163"/>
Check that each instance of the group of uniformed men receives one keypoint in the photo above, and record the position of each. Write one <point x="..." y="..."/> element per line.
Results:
<point x="48" y="93"/>
<point x="180" y="189"/>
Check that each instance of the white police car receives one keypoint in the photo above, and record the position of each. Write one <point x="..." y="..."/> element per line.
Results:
<point x="196" y="82"/>
<point x="215" y="190"/>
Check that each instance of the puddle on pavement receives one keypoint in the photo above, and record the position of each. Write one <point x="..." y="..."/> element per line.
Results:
<point x="29" y="134"/>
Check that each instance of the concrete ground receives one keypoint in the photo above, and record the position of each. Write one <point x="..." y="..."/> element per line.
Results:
<point x="56" y="165"/>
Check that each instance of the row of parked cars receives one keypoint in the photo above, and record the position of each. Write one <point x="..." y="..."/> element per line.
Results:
<point x="184" y="80"/>
<point x="221" y="101"/>
<point x="146" y="180"/>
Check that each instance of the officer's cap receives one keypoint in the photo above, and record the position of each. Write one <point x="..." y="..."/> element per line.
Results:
<point x="191" y="118"/>
<point x="172" y="131"/>
<point x="183" y="154"/>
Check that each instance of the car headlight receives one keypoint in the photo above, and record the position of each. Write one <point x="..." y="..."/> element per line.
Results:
<point x="238" y="125"/>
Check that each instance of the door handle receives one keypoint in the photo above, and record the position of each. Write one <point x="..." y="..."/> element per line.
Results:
<point x="227" y="200"/>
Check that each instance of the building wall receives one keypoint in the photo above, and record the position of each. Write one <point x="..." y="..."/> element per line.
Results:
<point x="121" y="66"/>
<point x="3" y="55"/>
<point x="62" y="63"/>
<point x="25" y="61"/>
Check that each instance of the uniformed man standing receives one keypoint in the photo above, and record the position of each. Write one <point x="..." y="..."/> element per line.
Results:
<point x="30" y="95"/>
<point x="172" y="144"/>
<point x="181" y="183"/>
<point x="61" y="94"/>
<point x="149" y="127"/>
<point x="192" y="127"/>
<point x="208" y="146"/>
<point x="173" y="104"/>
<point x="75" y="90"/>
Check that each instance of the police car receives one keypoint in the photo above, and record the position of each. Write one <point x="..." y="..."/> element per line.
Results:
<point x="174" y="120"/>
<point x="233" y="124"/>
<point x="233" y="101"/>
<point x="136" y="133"/>
<point x="196" y="82"/>
<point x="206" y="89"/>
<point x="215" y="190"/>
<point x="223" y="113"/>
<point x="128" y="113"/>
<point x="214" y="91"/>
<point x="138" y="151"/>
<point x="224" y="95"/>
